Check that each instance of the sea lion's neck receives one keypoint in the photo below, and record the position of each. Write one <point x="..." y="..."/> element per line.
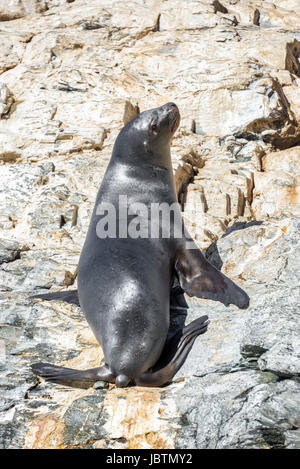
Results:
<point x="159" y="171"/>
<point x="163" y="160"/>
<point x="143" y="155"/>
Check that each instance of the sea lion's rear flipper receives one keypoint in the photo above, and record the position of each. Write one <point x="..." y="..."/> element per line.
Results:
<point x="68" y="375"/>
<point x="176" y="354"/>
<point x="70" y="296"/>
<point x="199" y="278"/>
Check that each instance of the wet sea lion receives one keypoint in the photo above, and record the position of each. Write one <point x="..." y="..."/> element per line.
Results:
<point x="126" y="283"/>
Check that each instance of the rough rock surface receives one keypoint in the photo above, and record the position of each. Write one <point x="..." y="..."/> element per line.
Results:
<point x="71" y="72"/>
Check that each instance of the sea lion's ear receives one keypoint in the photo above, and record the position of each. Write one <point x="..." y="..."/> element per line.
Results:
<point x="199" y="278"/>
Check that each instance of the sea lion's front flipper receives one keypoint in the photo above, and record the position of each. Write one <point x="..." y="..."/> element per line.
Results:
<point x="176" y="353"/>
<point x="199" y="278"/>
<point x="70" y="376"/>
<point x="70" y="296"/>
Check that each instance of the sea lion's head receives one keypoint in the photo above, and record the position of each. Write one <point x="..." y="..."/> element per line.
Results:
<point x="146" y="138"/>
<point x="159" y="123"/>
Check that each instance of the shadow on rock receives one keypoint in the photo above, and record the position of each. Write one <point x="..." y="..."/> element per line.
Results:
<point x="212" y="252"/>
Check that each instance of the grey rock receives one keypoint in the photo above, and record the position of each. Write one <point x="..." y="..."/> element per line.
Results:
<point x="238" y="410"/>
<point x="283" y="358"/>
<point x="9" y="250"/>
<point x="100" y="385"/>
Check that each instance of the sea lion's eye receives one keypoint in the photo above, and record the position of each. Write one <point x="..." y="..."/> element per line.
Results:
<point x="154" y="128"/>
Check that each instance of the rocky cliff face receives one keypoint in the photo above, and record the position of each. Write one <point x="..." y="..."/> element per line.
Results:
<point x="71" y="72"/>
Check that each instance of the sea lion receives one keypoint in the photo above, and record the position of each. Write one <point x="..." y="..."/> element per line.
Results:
<point x="126" y="283"/>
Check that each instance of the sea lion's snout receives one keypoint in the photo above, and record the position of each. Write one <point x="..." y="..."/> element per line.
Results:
<point x="171" y="106"/>
<point x="172" y="115"/>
